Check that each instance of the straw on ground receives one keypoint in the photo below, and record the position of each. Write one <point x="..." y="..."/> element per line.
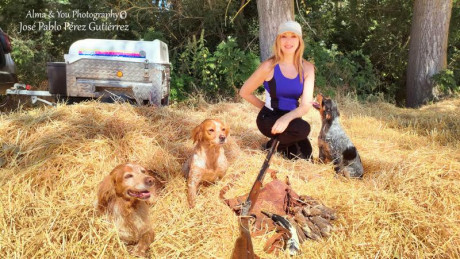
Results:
<point x="407" y="205"/>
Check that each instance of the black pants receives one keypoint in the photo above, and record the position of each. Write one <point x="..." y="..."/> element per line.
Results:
<point x="294" y="141"/>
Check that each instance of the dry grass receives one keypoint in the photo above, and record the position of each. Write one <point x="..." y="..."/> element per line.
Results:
<point x="407" y="205"/>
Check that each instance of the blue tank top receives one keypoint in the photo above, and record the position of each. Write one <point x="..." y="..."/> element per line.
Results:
<point x="284" y="92"/>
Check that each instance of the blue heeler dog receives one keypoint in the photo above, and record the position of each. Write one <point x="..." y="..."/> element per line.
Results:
<point x="334" y="144"/>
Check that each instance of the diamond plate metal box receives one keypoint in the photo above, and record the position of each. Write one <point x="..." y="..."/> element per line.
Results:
<point x="107" y="68"/>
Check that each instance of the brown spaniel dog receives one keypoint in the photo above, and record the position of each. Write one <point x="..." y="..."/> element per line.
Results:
<point x="208" y="162"/>
<point x="124" y="196"/>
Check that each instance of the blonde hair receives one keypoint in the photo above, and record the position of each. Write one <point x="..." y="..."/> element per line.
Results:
<point x="298" y="55"/>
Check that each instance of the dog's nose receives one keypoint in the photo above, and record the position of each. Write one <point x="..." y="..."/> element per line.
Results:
<point x="148" y="181"/>
<point x="222" y="138"/>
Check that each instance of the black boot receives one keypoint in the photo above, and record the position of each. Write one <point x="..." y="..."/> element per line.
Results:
<point x="290" y="152"/>
<point x="306" y="149"/>
<point x="294" y="151"/>
<point x="268" y="145"/>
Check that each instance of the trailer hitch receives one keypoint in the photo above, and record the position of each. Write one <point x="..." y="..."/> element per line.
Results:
<point x="34" y="99"/>
<point x="23" y="89"/>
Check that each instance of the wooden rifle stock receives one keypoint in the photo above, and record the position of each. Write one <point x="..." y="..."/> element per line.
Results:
<point x="243" y="246"/>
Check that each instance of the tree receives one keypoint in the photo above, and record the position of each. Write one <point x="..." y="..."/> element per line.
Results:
<point x="427" y="49"/>
<point x="271" y="15"/>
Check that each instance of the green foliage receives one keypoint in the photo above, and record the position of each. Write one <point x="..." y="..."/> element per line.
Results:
<point x="358" y="46"/>
<point x="152" y="34"/>
<point x="234" y="66"/>
<point x="351" y="71"/>
<point x="375" y="29"/>
<point x="218" y="74"/>
<point x="454" y="63"/>
<point x="445" y="82"/>
<point x="184" y="19"/>
<point x="193" y="70"/>
<point x="28" y="54"/>
<point x="453" y="51"/>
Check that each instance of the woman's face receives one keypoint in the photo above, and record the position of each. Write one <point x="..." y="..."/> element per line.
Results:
<point x="289" y="42"/>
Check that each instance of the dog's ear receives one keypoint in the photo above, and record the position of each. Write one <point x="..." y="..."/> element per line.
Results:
<point x="227" y="129"/>
<point x="160" y="181"/>
<point x="106" y="192"/>
<point x="319" y="98"/>
<point x="197" y="133"/>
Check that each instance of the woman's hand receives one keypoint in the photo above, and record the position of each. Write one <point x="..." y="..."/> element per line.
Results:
<point x="281" y="124"/>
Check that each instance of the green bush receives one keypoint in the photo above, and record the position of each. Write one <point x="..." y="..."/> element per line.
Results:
<point x="30" y="57"/>
<point x="352" y="71"/>
<point x="192" y="71"/>
<point x="445" y="82"/>
<point x="152" y="34"/>
<point x="233" y="66"/>
<point x="214" y="75"/>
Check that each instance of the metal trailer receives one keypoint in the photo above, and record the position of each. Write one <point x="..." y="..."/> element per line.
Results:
<point x="116" y="69"/>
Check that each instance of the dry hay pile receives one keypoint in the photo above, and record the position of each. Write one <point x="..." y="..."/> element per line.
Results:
<point x="52" y="160"/>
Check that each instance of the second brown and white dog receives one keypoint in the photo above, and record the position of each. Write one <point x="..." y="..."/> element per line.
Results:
<point x="334" y="144"/>
<point x="208" y="162"/>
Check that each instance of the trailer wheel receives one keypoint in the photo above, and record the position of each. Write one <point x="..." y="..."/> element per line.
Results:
<point x="4" y="100"/>
<point x="73" y="100"/>
<point x="10" y="103"/>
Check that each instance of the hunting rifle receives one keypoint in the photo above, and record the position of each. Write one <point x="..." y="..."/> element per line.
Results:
<point x="243" y="246"/>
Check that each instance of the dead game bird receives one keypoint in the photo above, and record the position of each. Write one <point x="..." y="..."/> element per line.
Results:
<point x="293" y="243"/>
